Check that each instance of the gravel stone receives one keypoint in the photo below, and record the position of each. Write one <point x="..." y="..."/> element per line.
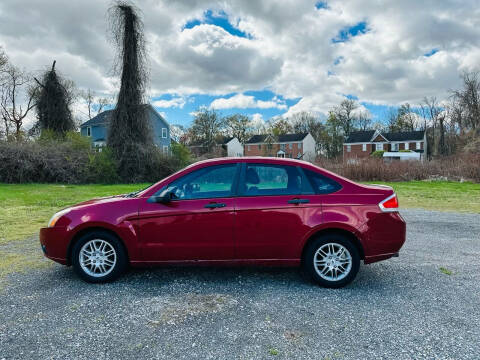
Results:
<point x="402" y="308"/>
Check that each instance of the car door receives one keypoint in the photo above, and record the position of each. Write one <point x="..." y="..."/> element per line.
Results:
<point x="272" y="206"/>
<point x="197" y="224"/>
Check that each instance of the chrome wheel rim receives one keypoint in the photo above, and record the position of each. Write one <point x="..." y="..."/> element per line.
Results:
<point x="332" y="262"/>
<point x="97" y="258"/>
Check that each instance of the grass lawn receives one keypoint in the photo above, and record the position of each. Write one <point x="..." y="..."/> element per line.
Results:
<point x="438" y="195"/>
<point x="25" y="208"/>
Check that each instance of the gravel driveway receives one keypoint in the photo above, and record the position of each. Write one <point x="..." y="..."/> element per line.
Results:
<point x="403" y="308"/>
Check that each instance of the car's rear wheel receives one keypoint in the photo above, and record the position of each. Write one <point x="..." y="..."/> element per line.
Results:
<point x="332" y="260"/>
<point x="98" y="256"/>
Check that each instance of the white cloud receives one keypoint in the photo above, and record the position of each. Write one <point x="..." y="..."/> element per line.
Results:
<point x="241" y="101"/>
<point x="176" y="102"/>
<point x="290" y="49"/>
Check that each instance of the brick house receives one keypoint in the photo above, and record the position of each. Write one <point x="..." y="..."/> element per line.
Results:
<point x="295" y="146"/>
<point x="360" y="144"/>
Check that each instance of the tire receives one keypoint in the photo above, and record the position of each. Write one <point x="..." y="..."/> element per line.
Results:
<point x="99" y="257"/>
<point x="344" y="261"/>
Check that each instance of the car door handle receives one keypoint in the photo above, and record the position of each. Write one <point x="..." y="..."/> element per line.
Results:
<point x="214" y="205"/>
<point x="298" y="201"/>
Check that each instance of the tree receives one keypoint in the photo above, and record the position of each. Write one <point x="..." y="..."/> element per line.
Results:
<point x="364" y="121"/>
<point x="95" y="104"/>
<point x="238" y="126"/>
<point x="16" y="97"/>
<point x="207" y="125"/>
<point x="54" y="98"/>
<point x="280" y="127"/>
<point x="129" y="133"/>
<point x="344" y="114"/>
<point x="402" y="119"/>
<point x="469" y="98"/>
<point x="306" y="122"/>
<point x="333" y="138"/>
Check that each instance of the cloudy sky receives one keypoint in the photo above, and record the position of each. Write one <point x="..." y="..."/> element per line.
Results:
<point x="262" y="58"/>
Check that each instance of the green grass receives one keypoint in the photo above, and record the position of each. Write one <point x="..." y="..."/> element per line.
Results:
<point x="445" y="271"/>
<point x="438" y="195"/>
<point x="27" y="207"/>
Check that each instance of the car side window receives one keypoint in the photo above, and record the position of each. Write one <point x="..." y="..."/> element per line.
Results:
<point x="210" y="182"/>
<point x="270" y="179"/>
<point x="322" y="184"/>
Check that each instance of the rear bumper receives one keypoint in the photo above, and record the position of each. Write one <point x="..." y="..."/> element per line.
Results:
<point x="386" y="234"/>
<point x="54" y="244"/>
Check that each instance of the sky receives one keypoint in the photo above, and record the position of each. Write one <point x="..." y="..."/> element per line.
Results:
<point x="264" y="58"/>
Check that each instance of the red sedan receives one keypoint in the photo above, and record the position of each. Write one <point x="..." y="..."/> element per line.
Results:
<point x="233" y="211"/>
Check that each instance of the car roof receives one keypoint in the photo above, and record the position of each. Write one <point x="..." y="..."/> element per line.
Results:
<point x="263" y="159"/>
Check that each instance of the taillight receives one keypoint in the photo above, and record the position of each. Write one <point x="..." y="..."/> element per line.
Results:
<point x="389" y="204"/>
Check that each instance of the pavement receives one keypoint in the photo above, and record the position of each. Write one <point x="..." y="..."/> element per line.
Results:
<point x="423" y="305"/>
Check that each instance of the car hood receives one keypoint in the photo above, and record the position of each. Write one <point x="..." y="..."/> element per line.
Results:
<point x="101" y="200"/>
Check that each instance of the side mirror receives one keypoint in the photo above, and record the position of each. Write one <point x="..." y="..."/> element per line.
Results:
<point x="165" y="197"/>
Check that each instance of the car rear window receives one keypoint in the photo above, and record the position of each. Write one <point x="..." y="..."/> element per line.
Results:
<point x="271" y="180"/>
<point x="322" y="184"/>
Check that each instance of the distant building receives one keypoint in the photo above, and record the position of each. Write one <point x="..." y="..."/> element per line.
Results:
<point x="294" y="146"/>
<point x="224" y="146"/>
<point x="360" y="144"/>
<point x="96" y="128"/>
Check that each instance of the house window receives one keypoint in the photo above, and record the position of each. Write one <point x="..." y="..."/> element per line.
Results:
<point x="395" y="147"/>
<point x="406" y="146"/>
<point x="379" y="147"/>
<point x="282" y="147"/>
<point x="89" y="131"/>
<point x="164" y="133"/>
<point x="418" y="145"/>
<point x="259" y="147"/>
<point x="248" y="147"/>
<point x="165" y="149"/>
<point x="290" y="146"/>
<point x="364" y="147"/>
<point x="299" y="145"/>
<point x="349" y="148"/>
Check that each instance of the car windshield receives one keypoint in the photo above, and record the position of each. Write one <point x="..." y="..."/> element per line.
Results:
<point x="135" y="193"/>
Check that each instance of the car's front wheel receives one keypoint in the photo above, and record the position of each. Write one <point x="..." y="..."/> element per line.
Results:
<point x="332" y="260"/>
<point x="98" y="256"/>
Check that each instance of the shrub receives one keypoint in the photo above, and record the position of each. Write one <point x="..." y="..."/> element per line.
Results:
<point x="456" y="168"/>
<point x="72" y="160"/>
<point x="377" y="154"/>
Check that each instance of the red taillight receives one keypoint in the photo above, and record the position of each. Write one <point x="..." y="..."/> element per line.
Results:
<point x="389" y="204"/>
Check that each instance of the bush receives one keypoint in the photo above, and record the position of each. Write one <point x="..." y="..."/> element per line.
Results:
<point x="377" y="154"/>
<point x="456" y="168"/>
<point x="72" y="160"/>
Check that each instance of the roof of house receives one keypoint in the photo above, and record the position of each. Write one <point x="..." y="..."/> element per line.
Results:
<point x="277" y="139"/>
<point x="366" y="136"/>
<point x="103" y="117"/>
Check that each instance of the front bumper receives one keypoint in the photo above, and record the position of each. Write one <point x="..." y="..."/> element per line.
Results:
<point x="54" y="243"/>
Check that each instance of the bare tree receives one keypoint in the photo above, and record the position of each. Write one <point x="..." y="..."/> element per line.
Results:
<point x="16" y="99"/>
<point x="433" y="113"/>
<point x="364" y="121"/>
<point x="95" y="104"/>
<point x="306" y="122"/>
<point x="469" y="99"/>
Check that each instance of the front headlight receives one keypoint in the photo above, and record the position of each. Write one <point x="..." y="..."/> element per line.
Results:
<point x="57" y="216"/>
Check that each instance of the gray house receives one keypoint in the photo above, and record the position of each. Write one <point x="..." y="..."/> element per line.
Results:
<point x="96" y="129"/>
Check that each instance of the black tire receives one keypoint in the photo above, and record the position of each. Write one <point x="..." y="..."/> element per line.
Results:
<point x="117" y="269"/>
<point x="316" y="244"/>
